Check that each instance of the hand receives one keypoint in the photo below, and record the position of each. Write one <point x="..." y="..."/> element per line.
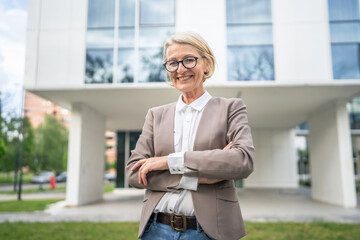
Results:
<point x="148" y="165"/>
<point x="228" y="146"/>
<point x="212" y="181"/>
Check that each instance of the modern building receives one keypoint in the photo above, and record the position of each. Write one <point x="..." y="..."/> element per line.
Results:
<point x="37" y="108"/>
<point x="292" y="61"/>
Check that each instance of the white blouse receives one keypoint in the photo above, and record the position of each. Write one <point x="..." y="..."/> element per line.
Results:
<point x="187" y="118"/>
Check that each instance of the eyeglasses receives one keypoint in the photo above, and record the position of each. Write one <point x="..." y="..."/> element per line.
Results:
<point x="188" y="63"/>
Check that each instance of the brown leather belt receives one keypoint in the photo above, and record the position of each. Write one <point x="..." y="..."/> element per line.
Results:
<point x="178" y="222"/>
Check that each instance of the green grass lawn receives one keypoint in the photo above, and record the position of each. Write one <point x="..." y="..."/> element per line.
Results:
<point x="126" y="231"/>
<point x="26" y="205"/>
<point x="108" y="187"/>
<point x="8" y="178"/>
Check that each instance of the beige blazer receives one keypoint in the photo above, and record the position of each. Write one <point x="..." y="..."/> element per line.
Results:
<point x="216" y="206"/>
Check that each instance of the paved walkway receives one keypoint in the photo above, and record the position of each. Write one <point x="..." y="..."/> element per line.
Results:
<point x="257" y="205"/>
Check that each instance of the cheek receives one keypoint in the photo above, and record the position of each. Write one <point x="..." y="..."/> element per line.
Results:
<point x="172" y="77"/>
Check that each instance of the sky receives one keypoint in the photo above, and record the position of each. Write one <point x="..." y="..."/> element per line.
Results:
<point x="13" y="18"/>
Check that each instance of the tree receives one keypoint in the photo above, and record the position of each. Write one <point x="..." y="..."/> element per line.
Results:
<point x="52" y="139"/>
<point x="12" y="126"/>
<point x="2" y="149"/>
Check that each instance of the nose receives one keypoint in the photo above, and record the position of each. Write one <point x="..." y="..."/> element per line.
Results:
<point x="181" y="68"/>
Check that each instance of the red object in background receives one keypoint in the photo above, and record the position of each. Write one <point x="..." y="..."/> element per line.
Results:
<point x="53" y="182"/>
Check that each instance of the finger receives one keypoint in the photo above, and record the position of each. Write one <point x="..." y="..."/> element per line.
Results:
<point x="138" y="164"/>
<point x="143" y="172"/>
<point x="228" y="146"/>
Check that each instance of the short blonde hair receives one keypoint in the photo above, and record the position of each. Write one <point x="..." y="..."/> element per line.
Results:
<point x="197" y="42"/>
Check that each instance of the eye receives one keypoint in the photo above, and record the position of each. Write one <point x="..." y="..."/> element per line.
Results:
<point x="172" y="64"/>
<point x="189" y="60"/>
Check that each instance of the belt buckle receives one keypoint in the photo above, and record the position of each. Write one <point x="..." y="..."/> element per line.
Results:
<point x="172" y="222"/>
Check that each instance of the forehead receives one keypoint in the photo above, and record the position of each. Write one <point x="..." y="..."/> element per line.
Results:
<point x="178" y="51"/>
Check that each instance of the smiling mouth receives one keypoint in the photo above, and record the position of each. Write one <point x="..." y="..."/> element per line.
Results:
<point x="185" y="78"/>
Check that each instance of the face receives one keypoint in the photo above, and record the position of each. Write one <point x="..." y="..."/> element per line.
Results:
<point x="188" y="81"/>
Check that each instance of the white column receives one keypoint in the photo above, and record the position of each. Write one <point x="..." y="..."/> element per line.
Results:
<point x="86" y="156"/>
<point x="275" y="161"/>
<point x="332" y="170"/>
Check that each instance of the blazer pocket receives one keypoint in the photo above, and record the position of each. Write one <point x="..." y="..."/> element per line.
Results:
<point x="227" y="194"/>
<point x="146" y="196"/>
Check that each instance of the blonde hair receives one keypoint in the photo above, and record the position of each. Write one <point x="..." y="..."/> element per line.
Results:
<point x="195" y="40"/>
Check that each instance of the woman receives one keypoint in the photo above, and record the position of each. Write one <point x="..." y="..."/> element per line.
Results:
<point x="189" y="153"/>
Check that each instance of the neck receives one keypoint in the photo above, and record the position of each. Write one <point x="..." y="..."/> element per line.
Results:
<point x="191" y="97"/>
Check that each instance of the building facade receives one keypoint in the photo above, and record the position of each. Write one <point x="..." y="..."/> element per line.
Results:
<point x="288" y="59"/>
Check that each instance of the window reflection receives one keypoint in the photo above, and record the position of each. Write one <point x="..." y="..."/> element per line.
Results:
<point x="345" y="38"/>
<point x="100" y="38"/>
<point x="345" y="60"/>
<point x="251" y="63"/>
<point x="151" y="68"/>
<point x="249" y="38"/>
<point x="353" y="107"/>
<point x="340" y="10"/>
<point x="127" y="13"/>
<point x="248" y="11"/>
<point x="125" y="66"/>
<point x="101" y="13"/>
<point x="156" y="22"/>
<point x="154" y="36"/>
<point x="345" y="32"/>
<point x="157" y="12"/>
<point x="249" y="35"/>
<point x="99" y="66"/>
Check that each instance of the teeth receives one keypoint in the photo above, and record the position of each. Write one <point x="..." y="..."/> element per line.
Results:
<point x="182" y="78"/>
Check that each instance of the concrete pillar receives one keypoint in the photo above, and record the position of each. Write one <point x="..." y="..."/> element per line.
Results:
<point x="86" y="156"/>
<point x="332" y="170"/>
<point x="275" y="162"/>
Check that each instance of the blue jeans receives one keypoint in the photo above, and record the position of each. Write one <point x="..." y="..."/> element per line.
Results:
<point x="159" y="231"/>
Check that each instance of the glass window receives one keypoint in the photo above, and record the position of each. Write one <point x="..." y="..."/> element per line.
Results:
<point x="125" y="66"/>
<point x="250" y="63"/>
<point x="250" y="52"/>
<point x="99" y="64"/>
<point x="151" y="68"/>
<point x="154" y="36"/>
<point x="346" y="61"/>
<point x="340" y="10"/>
<point x="249" y="35"/>
<point x="156" y="12"/>
<point x="126" y="38"/>
<point x="345" y="38"/>
<point x="345" y="32"/>
<point x="100" y="38"/>
<point x="126" y="13"/>
<point x="101" y="13"/>
<point x="156" y="22"/>
<point x="353" y="107"/>
<point x="248" y="11"/>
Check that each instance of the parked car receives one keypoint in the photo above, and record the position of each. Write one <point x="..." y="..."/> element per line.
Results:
<point x="61" y="177"/>
<point x="43" y="177"/>
<point x="110" y="176"/>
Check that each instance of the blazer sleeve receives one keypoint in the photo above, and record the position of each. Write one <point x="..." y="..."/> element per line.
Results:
<point x="157" y="180"/>
<point x="234" y="163"/>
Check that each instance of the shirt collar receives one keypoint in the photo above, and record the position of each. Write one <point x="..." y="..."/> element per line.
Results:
<point x="198" y="104"/>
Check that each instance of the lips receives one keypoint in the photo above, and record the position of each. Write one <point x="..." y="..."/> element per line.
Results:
<point x="185" y="78"/>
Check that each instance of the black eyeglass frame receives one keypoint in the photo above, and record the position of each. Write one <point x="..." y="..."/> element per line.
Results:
<point x="182" y="62"/>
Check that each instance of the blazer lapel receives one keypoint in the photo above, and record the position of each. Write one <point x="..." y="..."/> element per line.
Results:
<point x="166" y="131"/>
<point x="202" y="141"/>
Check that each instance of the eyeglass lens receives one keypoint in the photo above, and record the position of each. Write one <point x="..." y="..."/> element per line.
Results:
<point x="188" y="62"/>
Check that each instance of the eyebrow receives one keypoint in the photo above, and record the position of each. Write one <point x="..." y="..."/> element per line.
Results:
<point x="175" y="59"/>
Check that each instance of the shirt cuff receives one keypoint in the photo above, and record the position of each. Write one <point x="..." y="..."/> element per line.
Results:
<point x="188" y="183"/>
<point x="176" y="163"/>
